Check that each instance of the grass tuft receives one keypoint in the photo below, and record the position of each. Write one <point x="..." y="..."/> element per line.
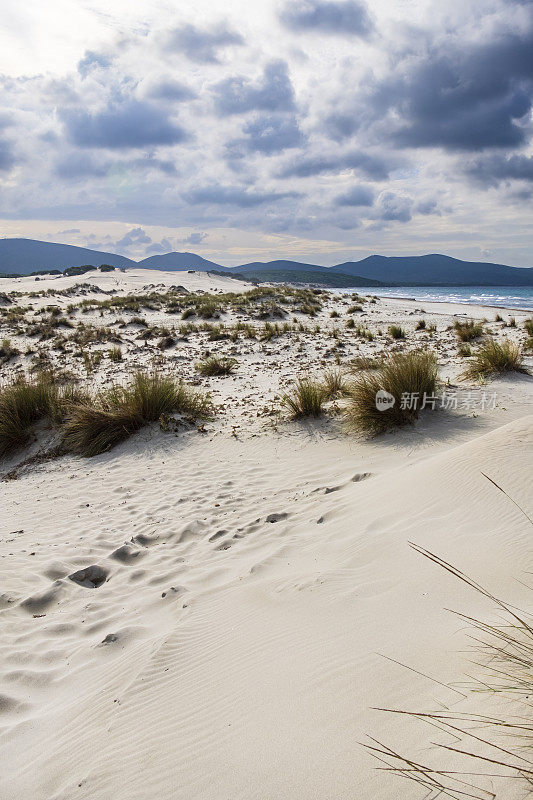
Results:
<point x="412" y="373"/>
<point x="396" y="332"/>
<point x="306" y="399"/>
<point x="96" y="427"/>
<point x="216" y="365"/>
<point x="22" y="404"/>
<point x="493" y="358"/>
<point x="334" y="383"/>
<point x="468" y="330"/>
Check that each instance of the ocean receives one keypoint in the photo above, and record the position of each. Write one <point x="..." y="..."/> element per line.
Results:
<point x="519" y="297"/>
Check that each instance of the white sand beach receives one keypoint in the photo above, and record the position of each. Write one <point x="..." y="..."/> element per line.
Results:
<point x="248" y="595"/>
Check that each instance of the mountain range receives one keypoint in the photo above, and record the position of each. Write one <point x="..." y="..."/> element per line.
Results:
<point x="24" y="256"/>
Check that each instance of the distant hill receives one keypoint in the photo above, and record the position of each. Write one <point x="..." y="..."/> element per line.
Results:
<point x="280" y="264"/>
<point x="323" y="276"/>
<point x="179" y="262"/>
<point x="436" y="270"/>
<point x="23" y="256"/>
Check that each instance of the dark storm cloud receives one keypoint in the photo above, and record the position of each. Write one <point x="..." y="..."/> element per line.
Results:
<point x="491" y="170"/>
<point x="274" y="92"/>
<point x="201" y="45"/>
<point x="336" y="17"/>
<point x="267" y="134"/>
<point x="458" y="97"/>
<point x="375" y="168"/>
<point x="233" y="195"/>
<point x="132" y="123"/>
<point x="357" y="196"/>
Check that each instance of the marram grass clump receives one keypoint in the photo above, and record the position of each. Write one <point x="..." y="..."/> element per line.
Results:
<point x="305" y="399"/>
<point x="215" y="366"/>
<point x="22" y="404"/>
<point x="411" y="374"/>
<point x="95" y="427"/>
<point x="397" y="332"/>
<point x="468" y="330"/>
<point x="334" y="383"/>
<point x="493" y="358"/>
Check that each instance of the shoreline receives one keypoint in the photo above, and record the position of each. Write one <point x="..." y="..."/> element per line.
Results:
<point x="455" y="303"/>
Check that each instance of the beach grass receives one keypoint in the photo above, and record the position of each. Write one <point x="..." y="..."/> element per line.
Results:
<point x="411" y="374"/>
<point x="22" y="404"/>
<point x="97" y="426"/>
<point x="397" y="332"/>
<point x="491" y="751"/>
<point x="213" y="366"/>
<point x="493" y="358"/>
<point x="468" y="329"/>
<point x="305" y="399"/>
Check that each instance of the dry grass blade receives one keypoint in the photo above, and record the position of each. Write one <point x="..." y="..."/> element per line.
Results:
<point x="506" y="653"/>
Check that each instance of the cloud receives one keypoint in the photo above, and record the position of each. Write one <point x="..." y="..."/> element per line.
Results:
<point x="75" y="166"/>
<point x="155" y="248"/>
<point x="92" y="61"/>
<point x="357" y="196"/>
<point x="132" y="123"/>
<point x="274" y="92"/>
<point x="492" y="169"/>
<point x="233" y="195"/>
<point x="201" y="45"/>
<point x="169" y="89"/>
<point x="335" y="17"/>
<point x="427" y="207"/>
<point x="134" y="237"/>
<point x="392" y="207"/>
<point x="457" y="96"/>
<point x="69" y="230"/>
<point x="7" y="158"/>
<point x="374" y="167"/>
<point x="195" y="238"/>
<point x="267" y="134"/>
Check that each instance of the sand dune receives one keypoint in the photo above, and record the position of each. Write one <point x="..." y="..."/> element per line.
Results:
<point x="248" y="589"/>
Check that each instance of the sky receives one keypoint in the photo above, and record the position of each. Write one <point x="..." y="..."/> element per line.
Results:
<point x="317" y="130"/>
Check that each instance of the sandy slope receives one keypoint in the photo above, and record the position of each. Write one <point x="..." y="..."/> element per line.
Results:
<point x="229" y="656"/>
